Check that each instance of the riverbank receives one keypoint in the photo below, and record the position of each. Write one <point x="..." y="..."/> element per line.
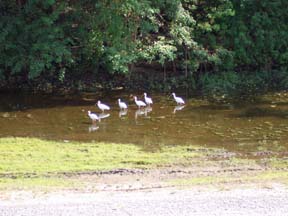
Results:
<point x="40" y="165"/>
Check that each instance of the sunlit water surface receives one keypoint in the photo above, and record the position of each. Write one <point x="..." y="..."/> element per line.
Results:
<point x="254" y="127"/>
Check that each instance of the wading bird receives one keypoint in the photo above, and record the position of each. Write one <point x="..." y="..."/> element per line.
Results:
<point x="178" y="100"/>
<point x="93" y="116"/>
<point x="122" y="105"/>
<point x="102" y="106"/>
<point x="148" y="100"/>
<point x="139" y="103"/>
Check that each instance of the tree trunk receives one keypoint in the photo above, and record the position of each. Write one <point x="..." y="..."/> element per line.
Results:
<point x="164" y="73"/>
<point x="174" y="67"/>
<point x="186" y="63"/>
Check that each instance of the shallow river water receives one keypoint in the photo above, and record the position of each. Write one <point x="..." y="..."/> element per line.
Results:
<point x="261" y="126"/>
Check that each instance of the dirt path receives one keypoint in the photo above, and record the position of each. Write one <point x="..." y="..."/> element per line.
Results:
<point x="229" y="190"/>
<point x="168" y="201"/>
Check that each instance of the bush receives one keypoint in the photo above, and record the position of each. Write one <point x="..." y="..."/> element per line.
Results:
<point x="231" y="86"/>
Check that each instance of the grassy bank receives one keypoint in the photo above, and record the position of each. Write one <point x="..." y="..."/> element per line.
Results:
<point x="25" y="155"/>
<point x="29" y="162"/>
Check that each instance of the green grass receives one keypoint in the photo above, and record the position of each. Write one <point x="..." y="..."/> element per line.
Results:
<point x="31" y="162"/>
<point x="278" y="163"/>
<point x="19" y="156"/>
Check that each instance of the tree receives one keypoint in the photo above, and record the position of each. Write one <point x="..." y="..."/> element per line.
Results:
<point x="32" y="40"/>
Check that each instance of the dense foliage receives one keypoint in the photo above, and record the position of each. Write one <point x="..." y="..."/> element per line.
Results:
<point x="213" y="46"/>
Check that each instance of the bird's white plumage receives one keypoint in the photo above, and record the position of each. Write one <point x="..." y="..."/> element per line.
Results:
<point x="139" y="103"/>
<point x="178" y="100"/>
<point x="148" y="100"/>
<point x="102" y="106"/>
<point x="93" y="116"/>
<point x="122" y="105"/>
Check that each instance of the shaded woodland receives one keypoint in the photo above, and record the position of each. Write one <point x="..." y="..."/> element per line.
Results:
<point x="213" y="47"/>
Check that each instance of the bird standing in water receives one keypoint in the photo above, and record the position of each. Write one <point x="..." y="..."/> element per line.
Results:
<point x="148" y="100"/>
<point x="102" y="106"/>
<point x="139" y="103"/>
<point x="122" y="105"/>
<point x="178" y="100"/>
<point x="93" y="116"/>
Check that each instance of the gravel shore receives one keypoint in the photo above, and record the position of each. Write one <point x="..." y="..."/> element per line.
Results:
<point x="165" y="201"/>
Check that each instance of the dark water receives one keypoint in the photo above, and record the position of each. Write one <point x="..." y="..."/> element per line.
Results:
<point x="254" y="127"/>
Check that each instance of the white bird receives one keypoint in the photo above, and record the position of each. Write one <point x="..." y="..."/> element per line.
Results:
<point x="178" y="100"/>
<point x="139" y="103"/>
<point x="93" y="116"/>
<point x="122" y="105"/>
<point x="102" y="106"/>
<point x="148" y="100"/>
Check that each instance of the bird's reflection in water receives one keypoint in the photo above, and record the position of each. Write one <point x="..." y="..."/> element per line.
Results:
<point x="103" y="115"/>
<point x="123" y="113"/>
<point x="141" y="112"/>
<point x="147" y="110"/>
<point x="178" y="108"/>
<point x="93" y="128"/>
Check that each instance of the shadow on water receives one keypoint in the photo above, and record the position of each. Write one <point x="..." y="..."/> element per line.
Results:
<point x="251" y="128"/>
<point x="20" y="102"/>
<point x="264" y="112"/>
